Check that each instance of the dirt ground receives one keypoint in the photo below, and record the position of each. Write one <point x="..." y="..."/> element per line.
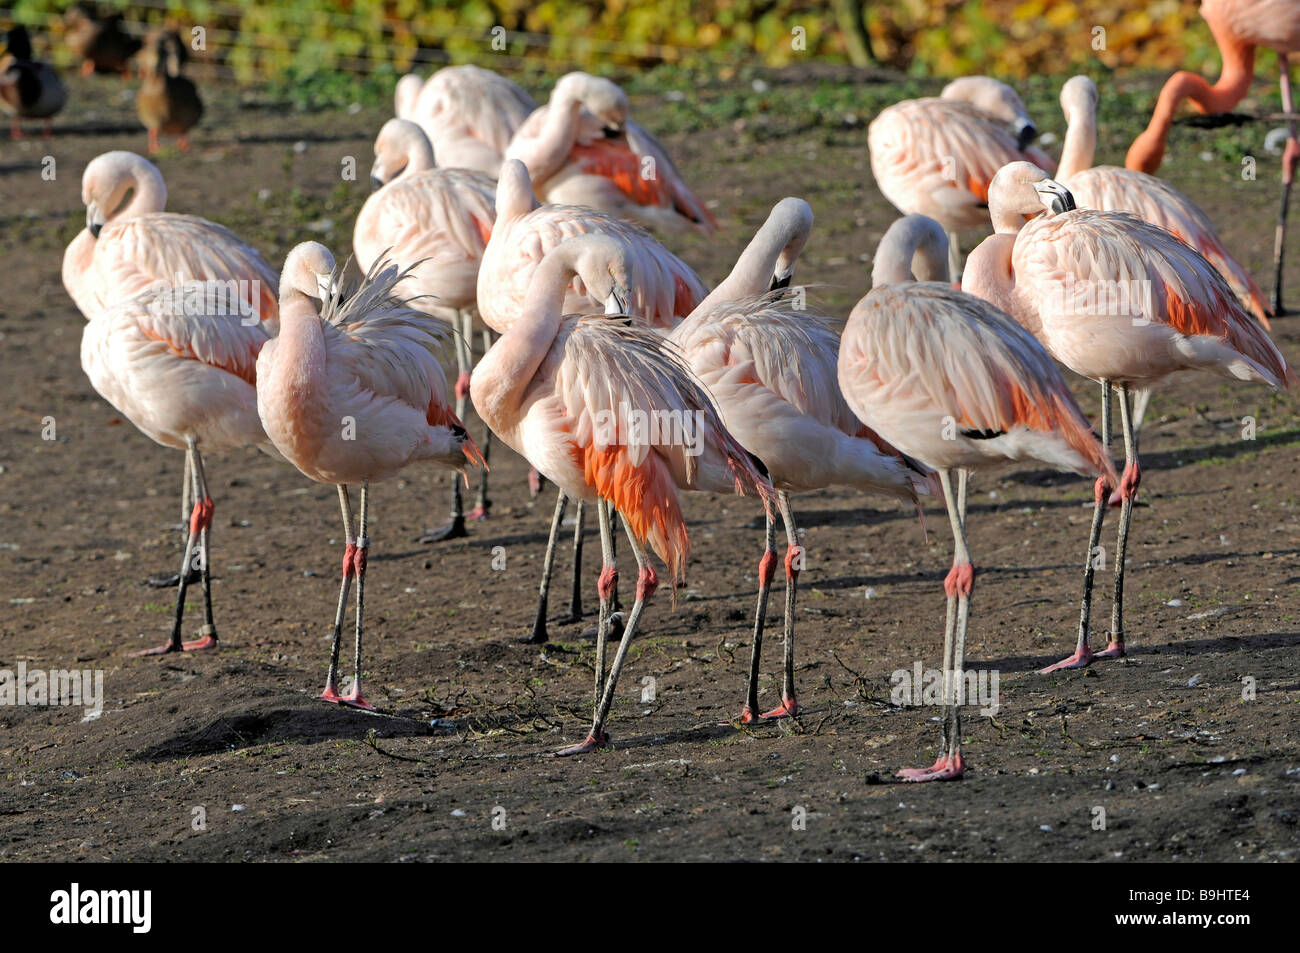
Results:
<point x="458" y="766"/>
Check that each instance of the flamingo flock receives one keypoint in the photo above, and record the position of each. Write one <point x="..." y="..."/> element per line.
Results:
<point x="624" y="380"/>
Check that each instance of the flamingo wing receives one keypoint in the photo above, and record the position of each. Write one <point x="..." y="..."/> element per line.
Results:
<point x="936" y="359"/>
<point x="164" y="249"/>
<point x="1154" y="200"/>
<point x="1167" y="283"/>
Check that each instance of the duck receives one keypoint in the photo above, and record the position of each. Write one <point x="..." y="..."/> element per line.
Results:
<point x="29" y="89"/>
<point x="167" y="102"/>
<point x="100" y="42"/>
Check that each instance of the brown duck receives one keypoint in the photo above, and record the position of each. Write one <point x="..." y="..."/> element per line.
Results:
<point x="29" y="89"/>
<point x="167" y="102"/>
<point x="100" y="42"/>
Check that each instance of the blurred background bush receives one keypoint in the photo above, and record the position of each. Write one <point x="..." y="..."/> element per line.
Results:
<point x="293" y="39"/>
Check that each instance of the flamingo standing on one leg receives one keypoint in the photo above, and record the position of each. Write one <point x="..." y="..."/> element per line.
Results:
<point x="186" y="379"/>
<point x="1240" y="27"/>
<point x="664" y="291"/>
<point x="469" y="114"/>
<point x="1120" y="301"/>
<point x="582" y="149"/>
<point x="1153" y="200"/>
<point x="771" y="370"/>
<point x="433" y="223"/>
<point x="951" y="380"/>
<point x="351" y="393"/>
<point x="575" y="396"/>
<point x="936" y="156"/>
<point x="130" y="245"/>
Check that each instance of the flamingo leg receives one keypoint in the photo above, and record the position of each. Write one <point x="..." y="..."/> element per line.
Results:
<point x="766" y="571"/>
<point x="575" y="597"/>
<point x="1290" y="159"/>
<point x="538" y="635"/>
<point x="608" y="582"/>
<point x="960" y="581"/>
<point x="1128" y="487"/>
<point x="200" y="520"/>
<point x="793" y="563"/>
<point x="954" y="258"/>
<point x="1101" y="495"/>
<point x="208" y="634"/>
<point x="167" y="580"/>
<point x="354" y="697"/>
<point x="481" y="503"/>
<point x="331" y="693"/>
<point x="454" y="528"/>
<point x="646" y="583"/>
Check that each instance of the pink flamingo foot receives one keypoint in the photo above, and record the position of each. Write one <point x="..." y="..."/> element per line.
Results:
<point x="592" y="743"/>
<point x="1112" y="650"/>
<point x="1080" y="659"/>
<point x="747" y="717"/>
<point x="195" y="645"/>
<point x="948" y="768"/>
<point x="477" y="513"/>
<point x="354" y="699"/>
<point x="331" y="695"/>
<point x="787" y="709"/>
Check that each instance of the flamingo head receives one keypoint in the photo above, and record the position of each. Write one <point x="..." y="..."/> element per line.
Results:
<point x="309" y="270"/>
<point x="599" y="97"/>
<point x="1023" y="189"/>
<point x="401" y="146"/>
<point x="997" y="100"/>
<point x="118" y="185"/>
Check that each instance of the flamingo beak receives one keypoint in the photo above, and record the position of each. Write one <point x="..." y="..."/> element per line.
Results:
<point x="1026" y="133"/>
<point x="94" y="219"/>
<point x="616" y="303"/>
<point x="1055" y="196"/>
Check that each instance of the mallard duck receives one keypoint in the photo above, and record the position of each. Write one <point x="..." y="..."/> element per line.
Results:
<point x="167" y="102"/>
<point x="99" y="41"/>
<point x="29" y="89"/>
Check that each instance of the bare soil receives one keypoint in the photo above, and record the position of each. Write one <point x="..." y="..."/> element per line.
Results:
<point x="1163" y="741"/>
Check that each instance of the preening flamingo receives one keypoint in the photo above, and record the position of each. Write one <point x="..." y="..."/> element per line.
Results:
<point x="352" y="392"/>
<point x="949" y="379"/>
<point x="575" y="396"/>
<point x="130" y="246"/>
<point x="1120" y="301"/>
<point x="582" y="149"/>
<point x="433" y="223"/>
<point x="1240" y="27"/>
<point x="936" y="156"/>
<point x="664" y="291"/>
<point x="771" y="371"/>
<point x="469" y="114"/>
<point x="183" y="371"/>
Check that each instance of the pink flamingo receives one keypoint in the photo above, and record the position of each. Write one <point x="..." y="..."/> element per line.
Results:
<point x="582" y="149"/>
<point x="664" y="291"/>
<point x="131" y="246"/>
<point x="574" y="395"/>
<point x="469" y="114"/>
<point x="1240" y="27"/>
<point x="185" y="378"/>
<point x="435" y="224"/>
<point x="1120" y="301"/>
<point x="1153" y="200"/>
<point x="351" y="393"/>
<point x="936" y="156"/>
<point x="951" y="380"/>
<point x="771" y="370"/>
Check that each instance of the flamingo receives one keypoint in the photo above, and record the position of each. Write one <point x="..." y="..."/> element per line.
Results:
<point x="352" y="392"/>
<point x="949" y="379"/>
<point x="936" y="156"/>
<point x="665" y="290"/>
<point x="771" y="370"/>
<point x="130" y="246"/>
<point x="574" y="395"/>
<point x="1120" y="301"/>
<point x="184" y="375"/>
<point x="433" y="223"/>
<point x="468" y="113"/>
<point x="1239" y="27"/>
<point x="1153" y="200"/>
<point x="582" y="149"/>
